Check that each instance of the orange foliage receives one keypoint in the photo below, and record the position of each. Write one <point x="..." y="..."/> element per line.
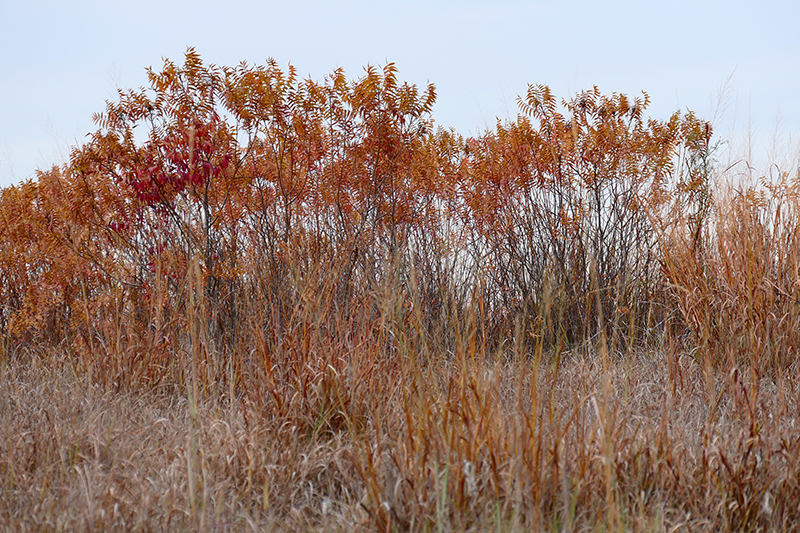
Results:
<point x="258" y="173"/>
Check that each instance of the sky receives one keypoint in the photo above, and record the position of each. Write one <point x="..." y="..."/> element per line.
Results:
<point x="736" y="63"/>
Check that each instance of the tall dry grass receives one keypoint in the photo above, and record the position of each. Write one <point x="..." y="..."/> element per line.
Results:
<point x="369" y="421"/>
<point x="738" y="289"/>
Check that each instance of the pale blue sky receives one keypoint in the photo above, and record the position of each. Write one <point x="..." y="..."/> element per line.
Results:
<point x="60" y="60"/>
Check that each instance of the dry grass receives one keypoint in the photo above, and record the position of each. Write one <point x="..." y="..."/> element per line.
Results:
<point x="76" y="458"/>
<point x="465" y="443"/>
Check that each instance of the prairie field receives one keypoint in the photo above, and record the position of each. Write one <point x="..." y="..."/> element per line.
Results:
<point x="253" y="302"/>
